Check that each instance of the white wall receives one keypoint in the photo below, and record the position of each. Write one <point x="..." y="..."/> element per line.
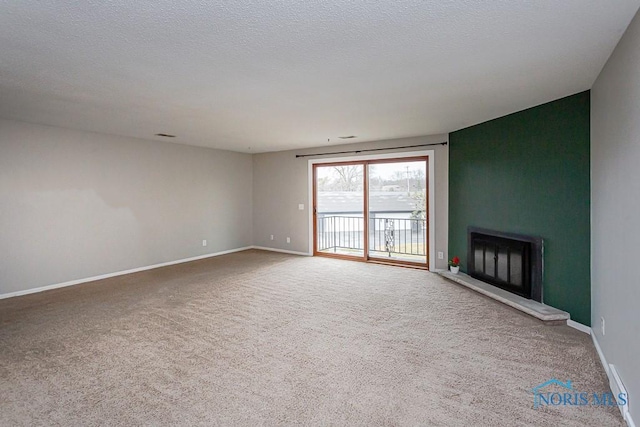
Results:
<point x="280" y="182"/>
<point x="615" y="204"/>
<point x="77" y="204"/>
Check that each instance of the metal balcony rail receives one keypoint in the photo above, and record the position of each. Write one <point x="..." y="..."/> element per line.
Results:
<point x="390" y="235"/>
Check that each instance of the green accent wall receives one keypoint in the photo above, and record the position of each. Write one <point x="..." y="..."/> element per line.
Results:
<point x="528" y="173"/>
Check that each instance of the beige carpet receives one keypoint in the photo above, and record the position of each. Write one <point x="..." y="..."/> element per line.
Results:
<point x="259" y="338"/>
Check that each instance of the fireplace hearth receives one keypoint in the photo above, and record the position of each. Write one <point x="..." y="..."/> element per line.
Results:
<point x="509" y="261"/>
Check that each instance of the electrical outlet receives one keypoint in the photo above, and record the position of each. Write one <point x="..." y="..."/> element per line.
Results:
<point x="602" y="324"/>
<point x="301" y="207"/>
<point x="440" y="255"/>
<point x="204" y="243"/>
<point x="271" y="237"/>
<point x="288" y="239"/>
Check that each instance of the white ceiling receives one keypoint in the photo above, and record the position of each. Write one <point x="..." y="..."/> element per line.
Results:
<point x="260" y="76"/>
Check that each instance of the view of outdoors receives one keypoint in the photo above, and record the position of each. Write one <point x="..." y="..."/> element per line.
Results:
<point x="397" y="210"/>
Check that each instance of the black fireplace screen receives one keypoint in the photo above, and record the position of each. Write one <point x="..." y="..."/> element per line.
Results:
<point x="508" y="261"/>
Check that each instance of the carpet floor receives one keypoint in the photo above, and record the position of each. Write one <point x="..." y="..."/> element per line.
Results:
<point x="259" y="338"/>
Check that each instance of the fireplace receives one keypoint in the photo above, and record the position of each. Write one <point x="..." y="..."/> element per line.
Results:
<point x="509" y="261"/>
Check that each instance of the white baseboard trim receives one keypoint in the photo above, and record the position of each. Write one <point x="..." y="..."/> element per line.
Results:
<point x="614" y="381"/>
<point x="284" y="251"/>
<point x="603" y="361"/>
<point x="118" y="273"/>
<point x="579" y="326"/>
<point x="617" y="387"/>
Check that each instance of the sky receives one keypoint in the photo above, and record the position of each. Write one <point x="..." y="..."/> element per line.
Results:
<point x="387" y="170"/>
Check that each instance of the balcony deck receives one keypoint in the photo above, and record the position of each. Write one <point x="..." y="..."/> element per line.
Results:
<point x="392" y="239"/>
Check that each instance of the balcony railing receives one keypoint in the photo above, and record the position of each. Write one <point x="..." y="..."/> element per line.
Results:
<point x="390" y="235"/>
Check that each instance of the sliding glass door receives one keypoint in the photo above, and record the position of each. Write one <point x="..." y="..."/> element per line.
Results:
<point x="372" y="210"/>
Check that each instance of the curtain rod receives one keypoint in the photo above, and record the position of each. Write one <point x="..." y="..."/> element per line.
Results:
<point x="370" y="149"/>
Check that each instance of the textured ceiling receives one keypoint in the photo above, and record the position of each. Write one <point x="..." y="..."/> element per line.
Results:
<point x="259" y="76"/>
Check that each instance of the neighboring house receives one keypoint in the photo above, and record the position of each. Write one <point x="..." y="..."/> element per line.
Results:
<point x="383" y="205"/>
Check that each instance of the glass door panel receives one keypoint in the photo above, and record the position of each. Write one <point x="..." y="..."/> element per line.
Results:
<point x="339" y="210"/>
<point x="397" y="201"/>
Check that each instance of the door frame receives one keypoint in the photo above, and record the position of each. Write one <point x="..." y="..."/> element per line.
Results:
<point x="400" y="160"/>
<point x="430" y="154"/>
<point x="365" y="207"/>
